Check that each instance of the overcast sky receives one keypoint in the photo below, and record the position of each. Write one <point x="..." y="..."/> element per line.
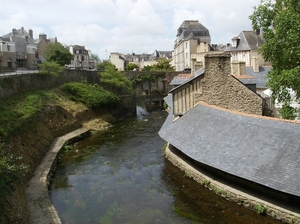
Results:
<point x="125" y="26"/>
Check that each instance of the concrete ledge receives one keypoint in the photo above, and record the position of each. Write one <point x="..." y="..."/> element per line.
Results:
<point x="37" y="191"/>
<point x="232" y="194"/>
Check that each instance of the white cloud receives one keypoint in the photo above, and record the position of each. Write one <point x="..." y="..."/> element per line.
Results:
<point x="125" y="26"/>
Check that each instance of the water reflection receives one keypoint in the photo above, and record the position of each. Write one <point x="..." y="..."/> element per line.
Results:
<point x="121" y="176"/>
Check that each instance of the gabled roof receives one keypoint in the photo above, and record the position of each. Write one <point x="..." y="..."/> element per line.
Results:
<point x="17" y="34"/>
<point x="248" y="40"/>
<point x="260" y="149"/>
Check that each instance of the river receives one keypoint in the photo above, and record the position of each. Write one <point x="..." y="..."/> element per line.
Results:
<point x="121" y="176"/>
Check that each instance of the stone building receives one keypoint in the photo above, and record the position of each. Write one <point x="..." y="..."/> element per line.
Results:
<point x="18" y="49"/>
<point x="192" y="42"/>
<point x="81" y="57"/>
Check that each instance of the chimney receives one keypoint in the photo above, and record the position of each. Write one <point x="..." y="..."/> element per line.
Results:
<point x="42" y="36"/>
<point x="255" y="64"/>
<point x="31" y="33"/>
<point x="238" y="68"/>
<point x="257" y="31"/>
<point x="14" y="31"/>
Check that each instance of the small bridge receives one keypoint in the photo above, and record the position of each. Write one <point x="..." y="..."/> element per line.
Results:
<point x="150" y="98"/>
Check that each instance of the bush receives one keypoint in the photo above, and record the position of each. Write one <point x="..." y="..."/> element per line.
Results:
<point x="10" y="173"/>
<point x="93" y="96"/>
<point x="51" y="68"/>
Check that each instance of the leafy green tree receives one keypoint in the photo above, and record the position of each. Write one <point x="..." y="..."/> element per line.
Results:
<point x="131" y="66"/>
<point x="163" y="64"/>
<point x="114" y="80"/>
<point x="51" y="47"/>
<point x="147" y="68"/>
<point x="61" y="57"/>
<point x="280" y="26"/>
<point x="51" y="68"/>
<point x="106" y="65"/>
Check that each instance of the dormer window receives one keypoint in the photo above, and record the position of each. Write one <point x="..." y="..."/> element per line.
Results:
<point x="235" y="41"/>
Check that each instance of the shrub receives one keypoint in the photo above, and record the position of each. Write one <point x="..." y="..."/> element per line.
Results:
<point x="10" y="173"/>
<point x="93" y="96"/>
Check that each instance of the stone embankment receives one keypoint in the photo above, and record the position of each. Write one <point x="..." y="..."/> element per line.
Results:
<point x="37" y="191"/>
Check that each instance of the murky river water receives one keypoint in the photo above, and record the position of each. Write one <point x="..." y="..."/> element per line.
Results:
<point x="121" y="176"/>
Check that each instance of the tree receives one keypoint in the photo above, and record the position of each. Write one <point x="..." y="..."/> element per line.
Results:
<point x="51" y="47"/>
<point x="61" y="57"/>
<point x="114" y="80"/>
<point x="131" y="67"/>
<point x="279" y="23"/>
<point x="51" y="68"/>
<point x="106" y="65"/>
<point x="58" y="53"/>
<point x="163" y="64"/>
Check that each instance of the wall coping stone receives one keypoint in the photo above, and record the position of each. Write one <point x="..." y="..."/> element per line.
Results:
<point x="37" y="191"/>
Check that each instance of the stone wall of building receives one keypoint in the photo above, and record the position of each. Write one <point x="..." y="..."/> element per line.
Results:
<point x="220" y="88"/>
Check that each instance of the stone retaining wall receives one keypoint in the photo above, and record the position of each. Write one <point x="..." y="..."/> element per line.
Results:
<point x="37" y="191"/>
<point x="13" y="84"/>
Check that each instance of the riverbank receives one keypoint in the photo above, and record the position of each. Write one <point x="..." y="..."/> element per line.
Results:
<point x="233" y="194"/>
<point x="44" y="117"/>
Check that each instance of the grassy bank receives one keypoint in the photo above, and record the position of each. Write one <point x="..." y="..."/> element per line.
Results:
<point x="30" y="121"/>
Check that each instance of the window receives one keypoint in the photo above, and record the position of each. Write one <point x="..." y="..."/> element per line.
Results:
<point x="8" y="47"/>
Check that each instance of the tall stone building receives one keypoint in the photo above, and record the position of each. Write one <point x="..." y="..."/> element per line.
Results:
<point x="192" y="42"/>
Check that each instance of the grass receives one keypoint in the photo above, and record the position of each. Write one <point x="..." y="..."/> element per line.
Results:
<point x="15" y="110"/>
<point x="260" y="209"/>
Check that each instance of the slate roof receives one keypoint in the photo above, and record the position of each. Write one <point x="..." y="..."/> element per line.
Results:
<point x="248" y="40"/>
<point x="265" y="151"/>
<point x="192" y="29"/>
<point x="259" y="78"/>
<point x="20" y="33"/>
<point x="177" y="81"/>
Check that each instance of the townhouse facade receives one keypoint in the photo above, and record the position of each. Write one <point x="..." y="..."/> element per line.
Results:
<point x="245" y="46"/>
<point x="18" y="49"/>
<point x="81" y="57"/>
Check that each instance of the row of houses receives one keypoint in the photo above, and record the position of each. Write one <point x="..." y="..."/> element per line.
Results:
<point x="19" y="49"/>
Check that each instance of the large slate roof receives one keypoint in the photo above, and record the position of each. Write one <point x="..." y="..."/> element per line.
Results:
<point x="265" y="151"/>
<point x="249" y="40"/>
